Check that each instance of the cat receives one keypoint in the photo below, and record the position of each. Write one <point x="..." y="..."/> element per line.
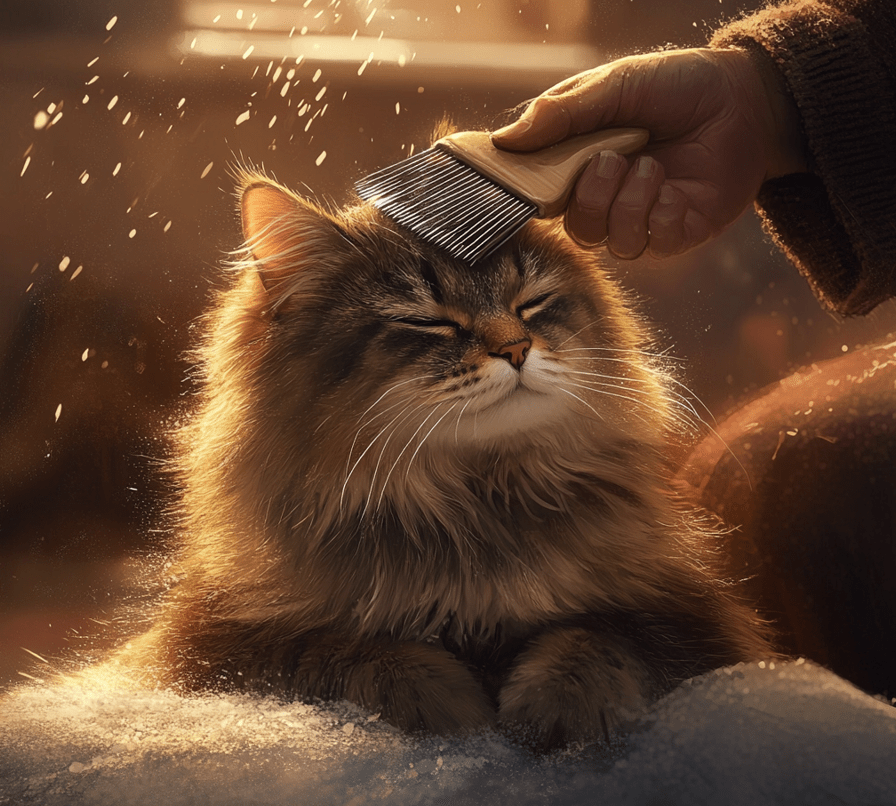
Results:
<point x="437" y="490"/>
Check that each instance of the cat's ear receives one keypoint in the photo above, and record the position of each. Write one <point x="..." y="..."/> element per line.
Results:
<point x="284" y="232"/>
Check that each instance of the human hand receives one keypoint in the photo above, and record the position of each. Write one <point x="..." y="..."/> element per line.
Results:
<point x="720" y="126"/>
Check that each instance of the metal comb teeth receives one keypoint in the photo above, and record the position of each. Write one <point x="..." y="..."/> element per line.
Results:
<point x="447" y="203"/>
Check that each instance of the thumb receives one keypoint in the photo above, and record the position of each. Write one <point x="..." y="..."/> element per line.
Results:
<point x="581" y="104"/>
<point x="546" y="121"/>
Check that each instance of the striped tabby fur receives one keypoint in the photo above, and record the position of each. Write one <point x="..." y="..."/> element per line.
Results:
<point x="436" y="490"/>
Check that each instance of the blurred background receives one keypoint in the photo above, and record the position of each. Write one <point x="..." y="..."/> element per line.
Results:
<point x="120" y="119"/>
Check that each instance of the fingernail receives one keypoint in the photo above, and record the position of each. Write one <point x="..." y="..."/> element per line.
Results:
<point x="607" y="164"/>
<point x="644" y="168"/>
<point x="667" y="195"/>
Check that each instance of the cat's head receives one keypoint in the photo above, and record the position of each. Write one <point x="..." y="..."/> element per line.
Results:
<point x="366" y="347"/>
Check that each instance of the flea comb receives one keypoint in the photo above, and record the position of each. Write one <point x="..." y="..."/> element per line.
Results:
<point x="468" y="197"/>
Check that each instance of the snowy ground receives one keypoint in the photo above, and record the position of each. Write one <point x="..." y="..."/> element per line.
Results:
<point x="794" y="734"/>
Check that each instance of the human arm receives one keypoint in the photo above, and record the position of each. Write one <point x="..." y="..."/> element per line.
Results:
<point x="792" y="107"/>
<point x="837" y="223"/>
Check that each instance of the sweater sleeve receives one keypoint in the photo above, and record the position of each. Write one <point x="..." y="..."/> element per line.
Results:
<point x="837" y="223"/>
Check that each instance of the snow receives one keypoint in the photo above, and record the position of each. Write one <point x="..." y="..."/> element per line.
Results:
<point x="790" y="734"/>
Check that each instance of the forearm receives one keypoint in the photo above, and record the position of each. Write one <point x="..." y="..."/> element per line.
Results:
<point x="835" y="61"/>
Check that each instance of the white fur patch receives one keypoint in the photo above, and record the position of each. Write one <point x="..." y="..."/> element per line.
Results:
<point x="509" y="403"/>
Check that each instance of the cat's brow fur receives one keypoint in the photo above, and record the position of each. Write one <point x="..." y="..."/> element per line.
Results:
<point x="384" y="510"/>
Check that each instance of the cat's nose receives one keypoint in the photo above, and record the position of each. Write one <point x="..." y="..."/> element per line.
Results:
<point x="514" y="353"/>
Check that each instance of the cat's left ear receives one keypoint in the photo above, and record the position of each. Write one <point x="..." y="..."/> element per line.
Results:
<point x="285" y="233"/>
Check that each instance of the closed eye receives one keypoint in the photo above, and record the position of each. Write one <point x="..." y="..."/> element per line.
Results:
<point x="532" y="306"/>
<point x="427" y="324"/>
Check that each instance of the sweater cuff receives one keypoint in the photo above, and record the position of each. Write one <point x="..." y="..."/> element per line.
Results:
<point x="837" y="224"/>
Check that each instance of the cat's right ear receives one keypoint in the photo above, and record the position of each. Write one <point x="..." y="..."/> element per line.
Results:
<point x="285" y="233"/>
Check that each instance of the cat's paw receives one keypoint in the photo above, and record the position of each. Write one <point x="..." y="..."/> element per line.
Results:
<point x="414" y="686"/>
<point x="571" y="685"/>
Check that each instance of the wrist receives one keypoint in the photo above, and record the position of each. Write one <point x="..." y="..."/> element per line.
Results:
<point x="786" y="150"/>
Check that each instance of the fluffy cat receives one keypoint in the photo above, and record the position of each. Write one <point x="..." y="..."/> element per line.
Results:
<point x="437" y="490"/>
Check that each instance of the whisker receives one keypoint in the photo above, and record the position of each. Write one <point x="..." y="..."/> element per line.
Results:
<point x="635" y="351"/>
<point x="457" y="424"/>
<point x="666" y="377"/>
<point x="322" y="423"/>
<point x="718" y="436"/>
<point x="604" y="382"/>
<point x="584" y="327"/>
<point x="609" y="377"/>
<point x="595" y="358"/>
<point x="673" y="397"/>
<point x="369" y="446"/>
<point x="401" y="453"/>
<point x="600" y="387"/>
<point x="611" y="394"/>
<point x="566" y="391"/>
<point x="371" y="420"/>
<point x="395" y="424"/>
<point x="364" y="413"/>
<point x="683" y="403"/>
<point x="669" y="379"/>
<point x="414" y="454"/>
<point x="358" y="461"/>
<point x="693" y="396"/>
<point x="392" y="389"/>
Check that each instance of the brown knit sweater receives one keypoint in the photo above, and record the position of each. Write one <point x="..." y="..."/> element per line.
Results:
<point x="837" y="223"/>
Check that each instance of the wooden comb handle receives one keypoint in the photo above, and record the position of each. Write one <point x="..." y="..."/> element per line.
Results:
<point x="544" y="177"/>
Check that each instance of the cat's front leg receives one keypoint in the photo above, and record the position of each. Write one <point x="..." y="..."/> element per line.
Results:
<point x="414" y="686"/>
<point x="573" y="685"/>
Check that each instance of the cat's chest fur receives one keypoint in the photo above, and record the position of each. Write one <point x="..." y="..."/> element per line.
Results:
<point x="477" y="555"/>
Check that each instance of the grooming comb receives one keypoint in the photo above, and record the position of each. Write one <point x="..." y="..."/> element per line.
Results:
<point x="468" y="197"/>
